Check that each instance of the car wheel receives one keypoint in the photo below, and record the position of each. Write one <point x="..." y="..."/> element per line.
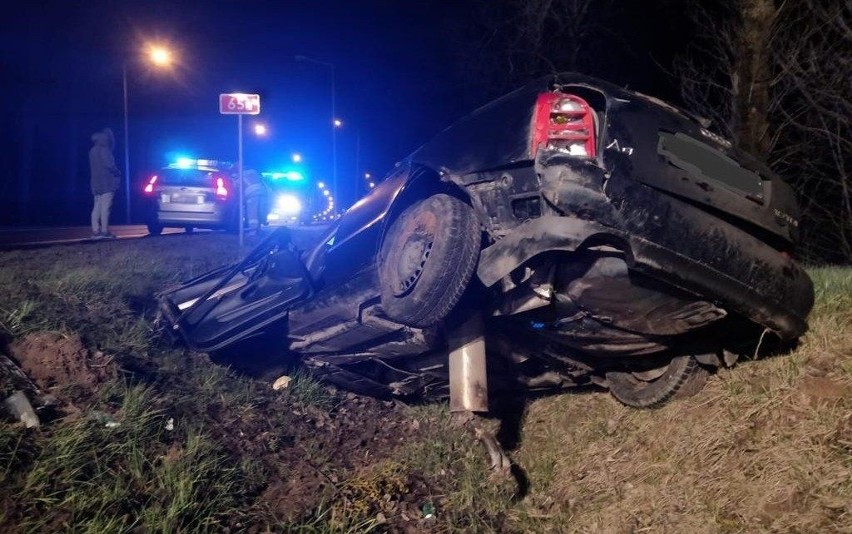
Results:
<point x="155" y="228"/>
<point x="189" y="229"/>
<point x="427" y="259"/>
<point x="683" y="376"/>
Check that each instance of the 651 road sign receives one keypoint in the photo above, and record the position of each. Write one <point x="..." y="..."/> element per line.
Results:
<point x="239" y="104"/>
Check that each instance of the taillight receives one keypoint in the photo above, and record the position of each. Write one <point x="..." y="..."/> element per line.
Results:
<point x="149" y="187"/>
<point x="221" y="190"/>
<point x="564" y="123"/>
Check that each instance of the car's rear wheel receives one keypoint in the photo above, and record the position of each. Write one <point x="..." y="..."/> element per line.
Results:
<point x="427" y="260"/>
<point x="189" y="229"/>
<point x="155" y="228"/>
<point x="683" y="376"/>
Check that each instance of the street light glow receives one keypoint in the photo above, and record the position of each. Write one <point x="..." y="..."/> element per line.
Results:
<point x="337" y="123"/>
<point x="160" y="55"/>
<point x="321" y="185"/>
<point x="297" y="158"/>
<point x="367" y="175"/>
<point x="260" y="129"/>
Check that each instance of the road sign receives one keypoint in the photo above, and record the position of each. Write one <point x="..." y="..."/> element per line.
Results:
<point x="239" y="104"/>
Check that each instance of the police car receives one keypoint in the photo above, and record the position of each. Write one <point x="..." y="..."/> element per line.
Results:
<point x="192" y="193"/>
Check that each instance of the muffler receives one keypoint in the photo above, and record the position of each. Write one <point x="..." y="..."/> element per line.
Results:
<point x="468" y="379"/>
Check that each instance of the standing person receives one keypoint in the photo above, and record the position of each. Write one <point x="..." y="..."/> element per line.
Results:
<point x="105" y="179"/>
<point x="255" y="199"/>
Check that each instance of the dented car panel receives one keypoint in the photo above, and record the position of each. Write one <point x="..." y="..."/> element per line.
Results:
<point x="617" y="234"/>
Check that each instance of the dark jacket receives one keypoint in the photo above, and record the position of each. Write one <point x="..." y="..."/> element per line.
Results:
<point x="105" y="175"/>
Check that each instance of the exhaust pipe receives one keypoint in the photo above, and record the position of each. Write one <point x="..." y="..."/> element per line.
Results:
<point x="468" y="379"/>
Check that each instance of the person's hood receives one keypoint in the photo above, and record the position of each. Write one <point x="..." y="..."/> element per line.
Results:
<point x="100" y="138"/>
<point x="104" y="138"/>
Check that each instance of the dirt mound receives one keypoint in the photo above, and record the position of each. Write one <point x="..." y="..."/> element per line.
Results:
<point x="309" y="449"/>
<point x="53" y="360"/>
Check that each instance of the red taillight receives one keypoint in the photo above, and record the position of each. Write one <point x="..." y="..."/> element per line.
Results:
<point x="149" y="187"/>
<point x="221" y="190"/>
<point x="564" y="123"/>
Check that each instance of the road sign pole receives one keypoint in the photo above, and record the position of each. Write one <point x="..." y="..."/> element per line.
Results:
<point x="240" y="171"/>
<point x="239" y="104"/>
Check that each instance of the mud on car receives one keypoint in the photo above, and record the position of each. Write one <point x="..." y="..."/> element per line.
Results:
<point x="568" y="233"/>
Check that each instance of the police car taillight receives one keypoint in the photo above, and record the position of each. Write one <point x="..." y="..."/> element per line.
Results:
<point x="149" y="187"/>
<point x="564" y="123"/>
<point x="221" y="190"/>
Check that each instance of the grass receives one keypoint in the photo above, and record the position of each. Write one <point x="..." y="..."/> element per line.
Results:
<point x="765" y="447"/>
<point x="97" y="478"/>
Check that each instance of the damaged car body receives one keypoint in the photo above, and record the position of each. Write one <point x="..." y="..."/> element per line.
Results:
<point x="569" y="233"/>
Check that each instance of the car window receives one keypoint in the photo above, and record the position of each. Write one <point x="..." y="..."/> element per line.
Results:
<point x="186" y="177"/>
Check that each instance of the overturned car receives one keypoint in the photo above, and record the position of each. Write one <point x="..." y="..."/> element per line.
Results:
<point x="568" y="233"/>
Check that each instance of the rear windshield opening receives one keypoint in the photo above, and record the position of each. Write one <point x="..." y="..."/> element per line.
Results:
<point x="700" y="159"/>
<point x="186" y="177"/>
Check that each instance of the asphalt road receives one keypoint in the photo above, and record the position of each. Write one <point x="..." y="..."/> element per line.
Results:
<point x="34" y="237"/>
<point x="12" y="238"/>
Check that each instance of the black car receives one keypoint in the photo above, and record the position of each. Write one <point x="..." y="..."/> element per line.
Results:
<point x="192" y="194"/>
<point x="569" y="233"/>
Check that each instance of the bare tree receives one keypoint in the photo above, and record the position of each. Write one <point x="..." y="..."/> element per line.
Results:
<point x="776" y="77"/>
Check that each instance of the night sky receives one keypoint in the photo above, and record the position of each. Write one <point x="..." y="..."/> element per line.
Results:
<point x="399" y="76"/>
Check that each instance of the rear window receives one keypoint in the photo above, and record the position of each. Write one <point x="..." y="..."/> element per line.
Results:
<point x="700" y="159"/>
<point x="187" y="177"/>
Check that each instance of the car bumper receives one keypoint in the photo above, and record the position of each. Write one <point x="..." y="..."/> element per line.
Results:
<point x="189" y="217"/>
<point x="740" y="272"/>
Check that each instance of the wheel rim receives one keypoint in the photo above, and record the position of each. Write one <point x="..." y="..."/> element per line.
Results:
<point x="409" y="259"/>
<point x="412" y="259"/>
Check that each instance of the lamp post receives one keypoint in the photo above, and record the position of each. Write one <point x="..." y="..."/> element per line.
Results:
<point x="161" y="57"/>
<point x="335" y="122"/>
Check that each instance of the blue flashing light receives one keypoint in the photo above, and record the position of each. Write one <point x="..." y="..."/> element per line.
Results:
<point x="185" y="163"/>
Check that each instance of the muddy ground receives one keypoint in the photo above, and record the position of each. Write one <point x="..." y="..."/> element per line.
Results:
<point x="328" y="449"/>
<point x="305" y="450"/>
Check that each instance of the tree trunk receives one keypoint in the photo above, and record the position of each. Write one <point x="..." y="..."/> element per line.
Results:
<point x="752" y="76"/>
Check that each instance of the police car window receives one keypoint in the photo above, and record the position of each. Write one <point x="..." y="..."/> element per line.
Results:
<point x="186" y="177"/>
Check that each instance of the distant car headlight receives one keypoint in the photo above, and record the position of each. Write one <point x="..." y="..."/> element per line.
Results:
<point x="288" y="205"/>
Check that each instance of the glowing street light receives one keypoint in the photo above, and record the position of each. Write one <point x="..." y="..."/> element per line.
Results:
<point x="297" y="158"/>
<point x="260" y="129"/>
<point x="159" y="56"/>
<point x="337" y="123"/>
<point x="321" y="185"/>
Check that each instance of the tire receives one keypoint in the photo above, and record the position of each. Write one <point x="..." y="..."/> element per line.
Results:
<point x="189" y="229"/>
<point x="427" y="260"/>
<point x="155" y="228"/>
<point x="682" y="377"/>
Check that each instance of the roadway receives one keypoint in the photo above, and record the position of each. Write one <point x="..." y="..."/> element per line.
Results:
<point x="11" y="237"/>
<point x="15" y="238"/>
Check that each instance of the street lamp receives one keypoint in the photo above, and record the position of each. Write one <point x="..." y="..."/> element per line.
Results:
<point x="160" y="57"/>
<point x="260" y="129"/>
<point x="335" y="121"/>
